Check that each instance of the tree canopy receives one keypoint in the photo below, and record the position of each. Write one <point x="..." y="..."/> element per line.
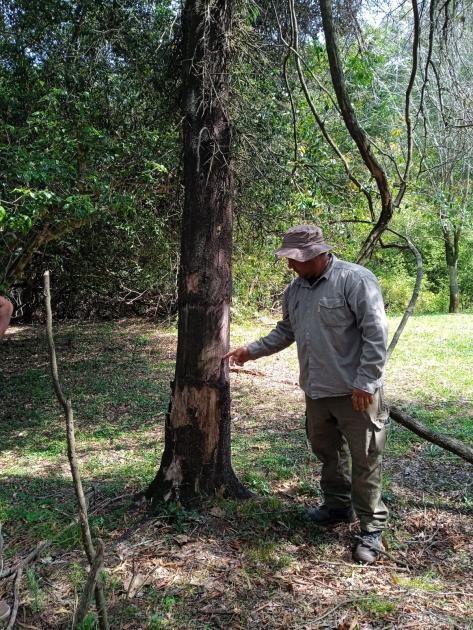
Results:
<point x="91" y="161"/>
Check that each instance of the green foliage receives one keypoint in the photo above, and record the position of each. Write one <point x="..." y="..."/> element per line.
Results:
<point x="35" y="592"/>
<point x="266" y="553"/>
<point x="91" y="172"/>
<point x="90" y="622"/>
<point x="86" y="115"/>
<point x="397" y="291"/>
<point x="377" y="605"/>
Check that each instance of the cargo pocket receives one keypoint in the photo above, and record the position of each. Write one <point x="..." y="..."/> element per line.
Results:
<point x="333" y="312"/>
<point x="381" y="420"/>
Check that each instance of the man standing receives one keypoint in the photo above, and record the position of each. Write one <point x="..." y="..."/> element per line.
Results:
<point x="334" y="312"/>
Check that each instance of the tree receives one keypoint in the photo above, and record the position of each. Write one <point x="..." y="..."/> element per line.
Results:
<point x="84" y="105"/>
<point x="446" y="136"/>
<point x="196" y="458"/>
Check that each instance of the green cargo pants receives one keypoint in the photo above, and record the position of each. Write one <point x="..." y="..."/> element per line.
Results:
<point x="350" y="446"/>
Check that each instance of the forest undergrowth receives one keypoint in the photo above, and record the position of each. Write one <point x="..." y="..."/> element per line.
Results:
<point x="230" y="565"/>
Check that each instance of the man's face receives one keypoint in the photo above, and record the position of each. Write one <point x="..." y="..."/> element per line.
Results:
<point x="310" y="268"/>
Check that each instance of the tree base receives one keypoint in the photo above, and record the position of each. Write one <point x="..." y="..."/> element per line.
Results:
<point x="196" y="462"/>
<point x="194" y="490"/>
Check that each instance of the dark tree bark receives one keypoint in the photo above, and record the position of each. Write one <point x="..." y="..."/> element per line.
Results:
<point x="451" y="236"/>
<point x="196" y="458"/>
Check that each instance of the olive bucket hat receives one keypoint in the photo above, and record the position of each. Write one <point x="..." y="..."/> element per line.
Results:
<point x="302" y="243"/>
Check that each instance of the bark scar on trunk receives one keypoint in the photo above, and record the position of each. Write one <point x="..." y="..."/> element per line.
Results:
<point x="174" y="475"/>
<point x="192" y="408"/>
<point x="193" y="282"/>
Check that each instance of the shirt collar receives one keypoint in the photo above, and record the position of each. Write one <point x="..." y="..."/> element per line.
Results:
<point x="328" y="270"/>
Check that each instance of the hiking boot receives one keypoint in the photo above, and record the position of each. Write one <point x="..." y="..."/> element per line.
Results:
<point x="327" y="516"/>
<point x="4" y="610"/>
<point x="368" y="547"/>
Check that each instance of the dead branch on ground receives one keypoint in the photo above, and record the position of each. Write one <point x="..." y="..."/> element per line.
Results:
<point x="444" y="441"/>
<point x="17" y="572"/>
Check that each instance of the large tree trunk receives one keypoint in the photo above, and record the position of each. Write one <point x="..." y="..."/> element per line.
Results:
<point x="196" y="458"/>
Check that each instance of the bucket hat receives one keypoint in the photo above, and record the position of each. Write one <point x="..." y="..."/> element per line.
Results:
<point x="302" y="243"/>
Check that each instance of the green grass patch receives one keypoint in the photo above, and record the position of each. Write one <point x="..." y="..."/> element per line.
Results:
<point x="266" y="555"/>
<point x="377" y="605"/>
<point x="428" y="582"/>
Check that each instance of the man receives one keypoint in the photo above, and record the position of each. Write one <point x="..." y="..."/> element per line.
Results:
<point x="6" y="310"/>
<point x="334" y="312"/>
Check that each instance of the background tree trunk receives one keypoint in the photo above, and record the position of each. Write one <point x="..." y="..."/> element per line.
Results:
<point x="196" y="458"/>
<point x="452" y="239"/>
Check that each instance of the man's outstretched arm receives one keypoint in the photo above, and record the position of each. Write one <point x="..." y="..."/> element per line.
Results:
<point x="279" y="338"/>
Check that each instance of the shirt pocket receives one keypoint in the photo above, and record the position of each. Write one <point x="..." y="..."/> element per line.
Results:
<point x="334" y="312"/>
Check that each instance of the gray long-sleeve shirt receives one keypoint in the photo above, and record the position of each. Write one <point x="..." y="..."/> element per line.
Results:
<point x="340" y="328"/>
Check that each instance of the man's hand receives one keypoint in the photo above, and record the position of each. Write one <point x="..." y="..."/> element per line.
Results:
<point x="360" y="399"/>
<point x="238" y="356"/>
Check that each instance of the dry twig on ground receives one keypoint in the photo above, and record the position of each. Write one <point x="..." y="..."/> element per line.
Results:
<point x="17" y="571"/>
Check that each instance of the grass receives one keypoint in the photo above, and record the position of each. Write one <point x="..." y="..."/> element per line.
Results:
<point x="234" y="565"/>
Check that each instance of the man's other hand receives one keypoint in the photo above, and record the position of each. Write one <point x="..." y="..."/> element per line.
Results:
<point x="361" y="400"/>
<point x="238" y="356"/>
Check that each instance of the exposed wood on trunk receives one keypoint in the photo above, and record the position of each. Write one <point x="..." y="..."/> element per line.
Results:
<point x="444" y="441"/>
<point x="196" y="458"/>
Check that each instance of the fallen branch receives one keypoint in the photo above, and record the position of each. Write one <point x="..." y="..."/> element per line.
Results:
<point x="16" y="598"/>
<point x="17" y="571"/>
<point x="332" y="609"/>
<point x="72" y="456"/>
<point x="40" y="547"/>
<point x="444" y="441"/>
